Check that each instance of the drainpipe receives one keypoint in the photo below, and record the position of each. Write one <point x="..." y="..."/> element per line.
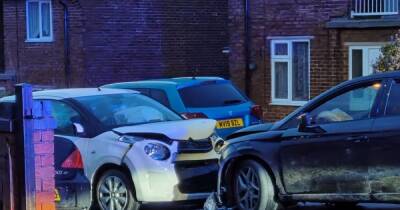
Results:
<point x="247" y="73"/>
<point x="67" y="59"/>
<point x="2" y="59"/>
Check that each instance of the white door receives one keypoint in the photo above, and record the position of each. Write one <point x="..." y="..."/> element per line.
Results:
<point x="362" y="59"/>
<point x="372" y="56"/>
<point x="361" y="63"/>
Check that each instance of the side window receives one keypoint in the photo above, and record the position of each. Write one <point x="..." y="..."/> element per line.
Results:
<point x="65" y="116"/>
<point x="393" y="104"/>
<point x="160" y="96"/>
<point x="355" y="104"/>
<point x="155" y="94"/>
<point x="143" y="91"/>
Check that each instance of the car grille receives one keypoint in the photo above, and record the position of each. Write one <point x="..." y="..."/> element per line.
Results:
<point x="195" y="146"/>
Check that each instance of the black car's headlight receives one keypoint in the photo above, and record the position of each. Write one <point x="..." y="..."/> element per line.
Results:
<point x="218" y="142"/>
<point x="157" y="151"/>
<point x="219" y="145"/>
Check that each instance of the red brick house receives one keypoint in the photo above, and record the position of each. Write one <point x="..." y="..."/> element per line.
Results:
<point x="62" y="43"/>
<point x="297" y="49"/>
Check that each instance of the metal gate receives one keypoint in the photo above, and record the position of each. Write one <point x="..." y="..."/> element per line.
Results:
<point x="18" y="160"/>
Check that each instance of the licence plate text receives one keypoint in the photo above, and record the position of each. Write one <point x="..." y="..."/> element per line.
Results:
<point x="231" y="123"/>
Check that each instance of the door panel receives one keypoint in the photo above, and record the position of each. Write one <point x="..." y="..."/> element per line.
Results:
<point x="384" y="158"/>
<point x="65" y="115"/>
<point x="333" y="162"/>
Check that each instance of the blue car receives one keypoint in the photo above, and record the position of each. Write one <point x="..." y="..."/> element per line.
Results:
<point x="201" y="97"/>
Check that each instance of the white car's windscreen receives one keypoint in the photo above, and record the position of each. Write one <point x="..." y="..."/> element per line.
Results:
<point x="116" y="110"/>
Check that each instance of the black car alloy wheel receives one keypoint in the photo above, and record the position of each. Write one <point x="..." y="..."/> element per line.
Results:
<point x="253" y="187"/>
<point x="247" y="188"/>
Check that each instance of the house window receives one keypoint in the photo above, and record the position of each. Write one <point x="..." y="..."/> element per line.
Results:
<point x="362" y="60"/>
<point x="290" y="72"/>
<point x="39" y="21"/>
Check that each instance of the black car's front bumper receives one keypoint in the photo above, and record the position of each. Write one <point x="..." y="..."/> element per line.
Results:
<point x="198" y="176"/>
<point x="73" y="194"/>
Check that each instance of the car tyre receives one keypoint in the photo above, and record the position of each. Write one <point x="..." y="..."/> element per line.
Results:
<point x="115" y="191"/>
<point x="253" y="187"/>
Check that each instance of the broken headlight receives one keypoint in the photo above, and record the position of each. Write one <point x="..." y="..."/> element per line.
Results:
<point x="157" y="151"/>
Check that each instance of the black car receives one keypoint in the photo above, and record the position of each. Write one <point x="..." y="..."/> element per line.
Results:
<point x="343" y="147"/>
<point x="72" y="186"/>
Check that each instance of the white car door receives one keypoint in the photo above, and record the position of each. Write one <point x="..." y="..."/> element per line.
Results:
<point x="65" y="117"/>
<point x="96" y="152"/>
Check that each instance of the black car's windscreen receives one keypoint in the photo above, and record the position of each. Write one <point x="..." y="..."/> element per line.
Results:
<point x="211" y="95"/>
<point x="116" y="110"/>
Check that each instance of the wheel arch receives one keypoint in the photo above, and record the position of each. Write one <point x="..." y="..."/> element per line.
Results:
<point x="231" y="165"/>
<point x="111" y="166"/>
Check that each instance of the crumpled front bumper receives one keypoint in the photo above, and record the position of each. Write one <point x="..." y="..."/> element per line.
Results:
<point x="173" y="179"/>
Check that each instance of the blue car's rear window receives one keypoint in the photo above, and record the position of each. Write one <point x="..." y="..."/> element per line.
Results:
<point x="211" y="95"/>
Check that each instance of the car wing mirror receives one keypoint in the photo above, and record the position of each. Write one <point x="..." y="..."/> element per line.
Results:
<point x="79" y="130"/>
<point x="305" y="125"/>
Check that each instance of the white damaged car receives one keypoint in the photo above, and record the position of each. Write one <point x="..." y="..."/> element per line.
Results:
<point x="132" y="149"/>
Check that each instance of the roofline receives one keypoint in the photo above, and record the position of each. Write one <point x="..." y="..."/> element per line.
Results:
<point x="58" y="93"/>
<point x="163" y="81"/>
<point x="195" y="77"/>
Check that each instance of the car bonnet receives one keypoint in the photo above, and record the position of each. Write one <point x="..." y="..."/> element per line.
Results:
<point x="196" y="129"/>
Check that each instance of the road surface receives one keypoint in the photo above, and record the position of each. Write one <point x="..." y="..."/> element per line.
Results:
<point x="305" y="207"/>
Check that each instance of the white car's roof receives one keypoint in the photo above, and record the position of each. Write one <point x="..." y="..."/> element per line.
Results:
<point x="72" y="93"/>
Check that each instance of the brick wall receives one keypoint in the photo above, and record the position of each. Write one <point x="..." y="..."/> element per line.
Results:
<point x="44" y="168"/>
<point x="43" y="63"/>
<point x="43" y="138"/>
<point x="129" y="40"/>
<point x="120" y="40"/>
<point x="271" y="18"/>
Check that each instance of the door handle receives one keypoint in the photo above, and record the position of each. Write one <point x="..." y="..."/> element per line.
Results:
<point x="358" y="139"/>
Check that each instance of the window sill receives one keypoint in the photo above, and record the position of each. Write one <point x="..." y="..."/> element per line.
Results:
<point x="7" y="76"/>
<point x="39" y="40"/>
<point x="288" y="103"/>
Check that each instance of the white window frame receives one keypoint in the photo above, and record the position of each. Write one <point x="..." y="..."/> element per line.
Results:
<point x="288" y="59"/>
<point x="41" y="38"/>
<point x="364" y="47"/>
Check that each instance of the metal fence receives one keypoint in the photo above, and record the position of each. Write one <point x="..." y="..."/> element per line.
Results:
<point x="19" y="123"/>
<point x="375" y="7"/>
